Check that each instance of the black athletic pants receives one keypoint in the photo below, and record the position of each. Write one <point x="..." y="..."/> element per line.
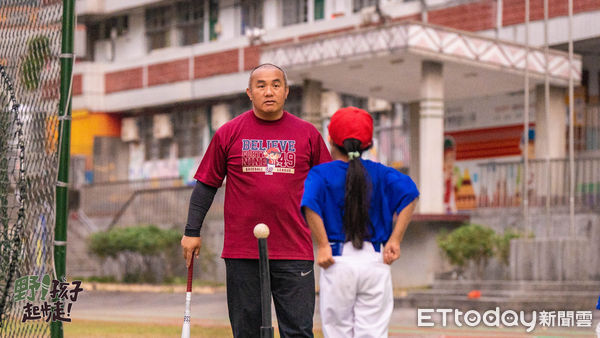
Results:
<point x="293" y="290"/>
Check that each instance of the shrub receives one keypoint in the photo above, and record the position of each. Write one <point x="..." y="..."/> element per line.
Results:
<point x="502" y="244"/>
<point x="468" y="243"/>
<point x="145" y="240"/>
<point x="144" y="251"/>
<point x="98" y="279"/>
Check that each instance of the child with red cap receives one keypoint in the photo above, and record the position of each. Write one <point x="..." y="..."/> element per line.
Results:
<point x="349" y="205"/>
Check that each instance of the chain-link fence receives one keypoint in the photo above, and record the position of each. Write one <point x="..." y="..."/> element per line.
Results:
<point x="30" y="38"/>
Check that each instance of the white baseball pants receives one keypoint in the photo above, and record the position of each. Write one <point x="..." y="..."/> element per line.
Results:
<point x="356" y="295"/>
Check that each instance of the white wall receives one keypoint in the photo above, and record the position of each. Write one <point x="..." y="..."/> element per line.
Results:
<point x="88" y="7"/>
<point x="130" y="46"/>
<point x="271" y="14"/>
<point x="133" y="44"/>
<point x="93" y="86"/>
<point x="585" y="26"/>
<point x="131" y="50"/>
<point x="229" y="19"/>
<point x="488" y="112"/>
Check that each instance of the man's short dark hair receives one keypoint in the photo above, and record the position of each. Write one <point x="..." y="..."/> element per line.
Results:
<point x="285" y="80"/>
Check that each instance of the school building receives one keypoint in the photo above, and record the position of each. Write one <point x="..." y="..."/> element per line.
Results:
<point x="154" y="79"/>
<point x="446" y="81"/>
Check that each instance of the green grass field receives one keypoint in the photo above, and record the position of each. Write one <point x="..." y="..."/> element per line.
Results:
<point x="95" y="329"/>
<point x="87" y="328"/>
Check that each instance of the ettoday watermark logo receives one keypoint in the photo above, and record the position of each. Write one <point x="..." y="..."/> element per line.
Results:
<point x="34" y="289"/>
<point x="508" y="318"/>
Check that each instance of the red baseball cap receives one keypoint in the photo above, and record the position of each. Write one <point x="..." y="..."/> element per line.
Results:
<point x="351" y="122"/>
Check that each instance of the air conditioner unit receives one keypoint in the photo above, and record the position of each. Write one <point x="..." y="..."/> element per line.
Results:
<point x="104" y="50"/>
<point x="162" y="127"/>
<point x="377" y="105"/>
<point x="368" y="15"/>
<point x="130" y="130"/>
<point x="80" y="41"/>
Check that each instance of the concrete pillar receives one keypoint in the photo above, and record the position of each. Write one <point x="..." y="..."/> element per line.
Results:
<point x="431" y="139"/>
<point x="550" y="142"/>
<point x="271" y="14"/>
<point x="550" y="132"/>
<point x="413" y="169"/>
<point x="220" y="114"/>
<point x="311" y="102"/>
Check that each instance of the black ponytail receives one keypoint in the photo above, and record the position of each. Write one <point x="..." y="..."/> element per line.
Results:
<point x="357" y="196"/>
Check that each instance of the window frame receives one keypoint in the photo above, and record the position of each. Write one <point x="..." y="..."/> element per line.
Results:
<point x="155" y="30"/>
<point x="192" y="22"/>
<point x="298" y="6"/>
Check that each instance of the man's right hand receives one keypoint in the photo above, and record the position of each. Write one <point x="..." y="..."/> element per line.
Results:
<point x="191" y="246"/>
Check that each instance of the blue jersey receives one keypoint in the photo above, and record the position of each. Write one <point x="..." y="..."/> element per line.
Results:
<point x="391" y="191"/>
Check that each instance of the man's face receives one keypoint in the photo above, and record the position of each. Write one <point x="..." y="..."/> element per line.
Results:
<point x="267" y="91"/>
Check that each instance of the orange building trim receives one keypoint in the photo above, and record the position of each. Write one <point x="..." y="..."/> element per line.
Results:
<point x="488" y="142"/>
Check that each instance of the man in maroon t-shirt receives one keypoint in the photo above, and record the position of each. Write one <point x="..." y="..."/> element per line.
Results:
<point x="262" y="188"/>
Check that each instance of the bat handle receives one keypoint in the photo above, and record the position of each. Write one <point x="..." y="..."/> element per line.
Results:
<point x="266" y="329"/>
<point x="190" y="274"/>
<point x="185" y="329"/>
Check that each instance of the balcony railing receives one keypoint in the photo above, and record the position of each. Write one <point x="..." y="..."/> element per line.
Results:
<point x="587" y="129"/>
<point x="548" y="185"/>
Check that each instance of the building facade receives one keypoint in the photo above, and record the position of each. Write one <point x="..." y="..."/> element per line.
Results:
<point x="444" y="79"/>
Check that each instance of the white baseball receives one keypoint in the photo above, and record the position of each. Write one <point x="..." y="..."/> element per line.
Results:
<point x="261" y="230"/>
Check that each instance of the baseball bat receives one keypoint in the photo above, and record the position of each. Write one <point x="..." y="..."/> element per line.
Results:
<point x="261" y="232"/>
<point x="185" y="329"/>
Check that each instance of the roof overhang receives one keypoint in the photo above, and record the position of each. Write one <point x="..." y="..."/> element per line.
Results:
<point x="385" y="62"/>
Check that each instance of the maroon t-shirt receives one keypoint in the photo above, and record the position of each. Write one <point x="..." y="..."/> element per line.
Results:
<point x="266" y="163"/>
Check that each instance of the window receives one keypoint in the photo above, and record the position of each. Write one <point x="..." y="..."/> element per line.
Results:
<point x="118" y="24"/>
<point x="189" y="131"/>
<point x="213" y="19"/>
<point x="239" y="105"/>
<point x="164" y="147"/>
<point x="357" y="5"/>
<point x="393" y="137"/>
<point x="102" y="30"/>
<point x="154" y="149"/>
<point x="252" y="14"/>
<point x="293" y="104"/>
<point x="354" y="101"/>
<point x="93" y="36"/>
<point x="319" y="9"/>
<point x="294" y="11"/>
<point x="158" y="22"/>
<point x="190" y="22"/>
<point x="147" y="137"/>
